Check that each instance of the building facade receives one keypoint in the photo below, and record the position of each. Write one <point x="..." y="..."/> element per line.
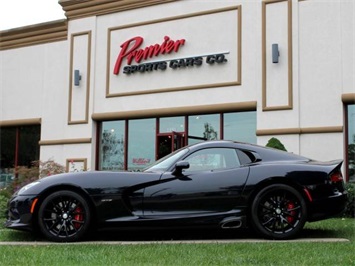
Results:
<point x="119" y="84"/>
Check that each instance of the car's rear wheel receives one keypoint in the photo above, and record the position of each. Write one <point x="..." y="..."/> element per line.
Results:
<point x="64" y="216"/>
<point x="278" y="212"/>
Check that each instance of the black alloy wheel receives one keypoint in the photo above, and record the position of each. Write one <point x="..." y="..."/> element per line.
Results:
<point x="64" y="216"/>
<point x="278" y="212"/>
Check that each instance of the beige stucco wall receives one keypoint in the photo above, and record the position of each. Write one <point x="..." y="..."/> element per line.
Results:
<point x="298" y="100"/>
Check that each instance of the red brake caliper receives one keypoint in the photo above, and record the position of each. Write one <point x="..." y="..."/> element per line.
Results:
<point x="290" y="206"/>
<point x="78" y="217"/>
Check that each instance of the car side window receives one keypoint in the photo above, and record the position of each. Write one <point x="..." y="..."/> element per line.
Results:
<point x="213" y="158"/>
<point x="245" y="157"/>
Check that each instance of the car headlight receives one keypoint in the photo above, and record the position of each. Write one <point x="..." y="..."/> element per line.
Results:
<point x="23" y="189"/>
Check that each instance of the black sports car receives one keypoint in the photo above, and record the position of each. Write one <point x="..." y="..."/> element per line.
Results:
<point x="213" y="184"/>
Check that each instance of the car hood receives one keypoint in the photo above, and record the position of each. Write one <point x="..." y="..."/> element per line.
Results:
<point x="93" y="180"/>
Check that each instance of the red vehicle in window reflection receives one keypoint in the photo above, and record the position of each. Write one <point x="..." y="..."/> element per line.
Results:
<point x="213" y="184"/>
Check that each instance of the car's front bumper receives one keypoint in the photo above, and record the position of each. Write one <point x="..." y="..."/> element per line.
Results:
<point x="19" y="214"/>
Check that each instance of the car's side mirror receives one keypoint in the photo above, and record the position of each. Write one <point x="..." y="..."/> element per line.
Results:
<point x="179" y="166"/>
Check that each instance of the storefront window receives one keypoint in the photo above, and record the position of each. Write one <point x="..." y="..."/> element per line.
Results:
<point x="240" y="127"/>
<point x="351" y="142"/>
<point x="141" y="143"/>
<point x="146" y="143"/>
<point x="28" y="149"/>
<point x="8" y="147"/>
<point x="172" y="124"/>
<point x="112" y="146"/>
<point x="19" y="147"/>
<point x="203" y="127"/>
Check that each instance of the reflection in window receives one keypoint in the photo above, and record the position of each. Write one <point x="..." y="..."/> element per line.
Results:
<point x="203" y="127"/>
<point x="351" y="142"/>
<point x="141" y="143"/>
<point x="210" y="159"/>
<point x="112" y="146"/>
<point x="171" y="124"/>
<point x="240" y="126"/>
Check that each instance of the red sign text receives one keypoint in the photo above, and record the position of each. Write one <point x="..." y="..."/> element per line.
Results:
<point x="131" y="51"/>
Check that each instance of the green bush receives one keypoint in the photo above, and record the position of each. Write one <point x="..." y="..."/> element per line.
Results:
<point x="350" y="205"/>
<point x="5" y="194"/>
<point x="3" y="207"/>
<point x="276" y="144"/>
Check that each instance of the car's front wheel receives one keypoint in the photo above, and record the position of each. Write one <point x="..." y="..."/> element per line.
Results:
<point x="278" y="212"/>
<point x="64" y="216"/>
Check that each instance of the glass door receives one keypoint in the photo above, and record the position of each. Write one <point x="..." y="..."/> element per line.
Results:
<point x="169" y="142"/>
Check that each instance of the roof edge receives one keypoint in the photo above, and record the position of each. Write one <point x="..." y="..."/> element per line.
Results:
<point x="34" y="34"/>
<point x="75" y="9"/>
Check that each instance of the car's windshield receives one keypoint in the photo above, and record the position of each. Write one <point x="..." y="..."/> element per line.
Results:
<point x="166" y="162"/>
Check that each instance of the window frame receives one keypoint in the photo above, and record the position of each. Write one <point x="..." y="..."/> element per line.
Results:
<point x="18" y="141"/>
<point x="223" y="155"/>
<point x="346" y="142"/>
<point x="157" y="131"/>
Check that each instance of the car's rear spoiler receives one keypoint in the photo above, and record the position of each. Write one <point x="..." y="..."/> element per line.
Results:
<point x="330" y="165"/>
<point x="337" y="163"/>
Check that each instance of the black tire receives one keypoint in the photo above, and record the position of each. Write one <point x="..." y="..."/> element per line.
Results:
<point x="278" y="212"/>
<point x="64" y="216"/>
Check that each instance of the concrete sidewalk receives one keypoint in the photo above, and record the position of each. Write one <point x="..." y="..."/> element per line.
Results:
<point x="213" y="241"/>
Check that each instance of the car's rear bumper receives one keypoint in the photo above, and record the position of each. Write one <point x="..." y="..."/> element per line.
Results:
<point x="327" y="207"/>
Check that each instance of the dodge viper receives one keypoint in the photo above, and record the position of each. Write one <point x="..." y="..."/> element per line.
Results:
<point x="213" y="184"/>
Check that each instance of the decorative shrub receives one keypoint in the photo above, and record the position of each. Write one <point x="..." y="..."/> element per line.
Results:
<point x="350" y="205"/>
<point x="50" y="167"/>
<point x="26" y="175"/>
<point x="276" y="144"/>
<point x="3" y="205"/>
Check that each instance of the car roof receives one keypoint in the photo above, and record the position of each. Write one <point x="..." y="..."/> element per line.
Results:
<point x="265" y="153"/>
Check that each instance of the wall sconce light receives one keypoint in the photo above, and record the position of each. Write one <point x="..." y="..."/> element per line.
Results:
<point x="77" y="77"/>
<point x="275" y="53"/>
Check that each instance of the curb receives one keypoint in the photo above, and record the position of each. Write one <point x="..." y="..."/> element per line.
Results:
<point x="305" y="240"/>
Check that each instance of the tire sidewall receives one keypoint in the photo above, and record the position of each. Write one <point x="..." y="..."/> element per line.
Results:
<point x="256" y="224"/>
<point x="43" y="228"/>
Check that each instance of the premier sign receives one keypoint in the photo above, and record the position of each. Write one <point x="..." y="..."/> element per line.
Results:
<point x="131" y="52"/>
<point x="171" y="54"/>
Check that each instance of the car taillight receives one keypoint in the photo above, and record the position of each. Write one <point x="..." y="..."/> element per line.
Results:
<point x="336" y="177"/>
